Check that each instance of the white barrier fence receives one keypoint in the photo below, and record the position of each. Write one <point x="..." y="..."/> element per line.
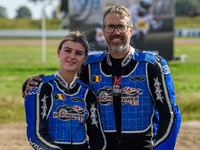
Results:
<point x="187" y="32"/>
<point x="8" y="33"/>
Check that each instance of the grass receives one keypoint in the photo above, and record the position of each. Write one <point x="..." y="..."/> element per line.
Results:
<point x="179" y="22"/>
<point x="187" y="82"/>
<point x="187" y="22"/>
<point x="18" y="62"/>
<point x="29" y="24"/>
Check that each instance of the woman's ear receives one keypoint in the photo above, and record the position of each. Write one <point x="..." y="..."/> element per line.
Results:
<point x="85" y="59"/>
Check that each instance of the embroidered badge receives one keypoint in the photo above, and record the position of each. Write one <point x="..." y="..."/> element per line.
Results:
<point x="158" y="90"/>
<point x="165" y="69"/>
<point x="93" y="115"/>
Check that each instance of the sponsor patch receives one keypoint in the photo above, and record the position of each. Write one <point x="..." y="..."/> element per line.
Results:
<point x="165" y="69"/>
<point x="105" y="96"/>
<point x="116" y="85"/>
<point x="137" y="78"/>
<point x="130" y="95"/>
<point x="127" y="60"/>
<point x="67" y="113"/>
<point x="76" y="99"/>
<point x="34" y="145"/>
<point x="34" y="91"/>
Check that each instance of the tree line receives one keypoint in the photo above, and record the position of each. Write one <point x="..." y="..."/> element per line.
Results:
<point x="182" y="8"/>
<point x="187" y="7"/>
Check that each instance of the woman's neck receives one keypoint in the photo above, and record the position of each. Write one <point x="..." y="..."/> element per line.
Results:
<point x="67" y="76"/>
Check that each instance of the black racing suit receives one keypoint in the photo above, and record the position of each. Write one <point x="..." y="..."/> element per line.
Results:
<point x="136" y="100"/>
<point x="56" y="117"/>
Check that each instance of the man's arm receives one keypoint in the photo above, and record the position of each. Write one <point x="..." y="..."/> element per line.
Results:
<point x="162" y="90"/>
<point x="29" y="83"/>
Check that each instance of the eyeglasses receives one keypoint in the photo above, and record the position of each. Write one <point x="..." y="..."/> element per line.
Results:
<point x="120" y="28"/>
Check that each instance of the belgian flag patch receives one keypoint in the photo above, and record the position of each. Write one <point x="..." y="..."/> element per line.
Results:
<point x="59" y="97"/>
<point x="96" y="78"/>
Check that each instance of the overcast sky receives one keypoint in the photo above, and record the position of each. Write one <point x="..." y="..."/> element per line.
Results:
<point x="12" y="5"/>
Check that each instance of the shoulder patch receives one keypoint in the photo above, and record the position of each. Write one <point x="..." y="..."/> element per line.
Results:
<point x="145" y="56"/>
<point x="93" y="58"/>
<point x="165" y="69"/>
<point x="34" y="91"/>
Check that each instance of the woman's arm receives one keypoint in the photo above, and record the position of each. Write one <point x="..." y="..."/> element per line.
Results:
<point x="37" y="107"/>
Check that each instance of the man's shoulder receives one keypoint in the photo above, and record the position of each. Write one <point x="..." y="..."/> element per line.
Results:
<point x="94" y="58"/>
<point x="83" y="84"/>
<point x="145" y="56"/>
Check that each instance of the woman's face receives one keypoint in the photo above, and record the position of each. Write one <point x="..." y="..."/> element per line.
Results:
<point x="72" y="56"/>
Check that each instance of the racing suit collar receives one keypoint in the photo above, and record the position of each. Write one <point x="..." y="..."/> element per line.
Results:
<point x="62" y="81"/>
<point x="126" y="60"/>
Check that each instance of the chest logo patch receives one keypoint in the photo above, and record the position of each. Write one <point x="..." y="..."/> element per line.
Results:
<point x="67" y="113"/>
<point x="105" y="96"/>
<point x="130" y="95"/>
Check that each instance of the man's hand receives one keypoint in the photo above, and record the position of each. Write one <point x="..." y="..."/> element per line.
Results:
<point x="28" y="84"/>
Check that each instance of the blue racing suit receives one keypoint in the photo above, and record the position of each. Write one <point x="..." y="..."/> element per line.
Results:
<point x="136" y="100"/>
<point x="56" y="116"/>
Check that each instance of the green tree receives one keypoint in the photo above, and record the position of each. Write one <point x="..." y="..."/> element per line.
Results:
<point x="64" y="6"/>
<point x="3" y="12"/>
<point x="23" y="12"/>
<point x="183" y="7"/>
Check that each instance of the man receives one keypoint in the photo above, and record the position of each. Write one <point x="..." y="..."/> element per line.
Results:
<point x="134" y="90"/>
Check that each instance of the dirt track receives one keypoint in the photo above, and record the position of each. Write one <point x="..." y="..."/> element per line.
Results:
<point x="13" y="137"/>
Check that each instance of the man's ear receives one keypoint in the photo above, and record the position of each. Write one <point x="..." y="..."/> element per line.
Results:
<point x="58" y="52"/>
<point x="102" y="29"/>
<point x="131" y="30"/>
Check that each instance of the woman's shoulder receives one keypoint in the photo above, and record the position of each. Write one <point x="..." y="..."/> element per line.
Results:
<point x="48" y="78"/>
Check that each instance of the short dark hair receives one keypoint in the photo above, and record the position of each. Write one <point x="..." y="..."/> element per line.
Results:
<point x="118" y="9"/>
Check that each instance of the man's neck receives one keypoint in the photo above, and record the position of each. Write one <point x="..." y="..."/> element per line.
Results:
<point x="119" y="55"/>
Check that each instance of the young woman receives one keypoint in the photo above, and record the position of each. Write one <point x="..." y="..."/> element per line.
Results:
<point x="58" y="109"/>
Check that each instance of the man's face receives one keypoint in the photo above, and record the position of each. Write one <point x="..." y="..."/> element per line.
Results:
<point x="117" y="42"/>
